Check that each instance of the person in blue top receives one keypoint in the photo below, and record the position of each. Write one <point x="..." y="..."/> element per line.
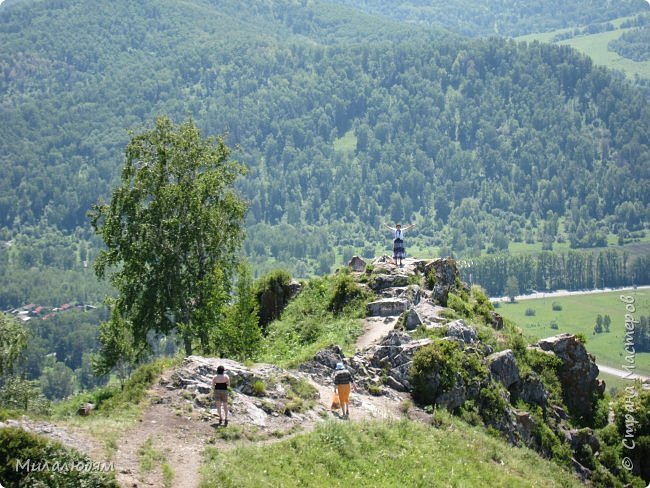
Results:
<point x="399" y="252"/>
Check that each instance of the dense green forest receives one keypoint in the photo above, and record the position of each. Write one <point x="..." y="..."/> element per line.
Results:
<point x="344" y="119"/>
<point x="501" y="18"/>
<point x="574" y="270"/>
<point x="634" y="45"/>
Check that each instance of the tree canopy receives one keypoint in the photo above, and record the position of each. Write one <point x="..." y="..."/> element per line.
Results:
<point x="171" y="230"/>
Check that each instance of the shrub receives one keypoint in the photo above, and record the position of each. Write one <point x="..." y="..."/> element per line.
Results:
<point x="553" y="325"/>
<point x="435" y="367"/>
<point x="258" y="388"/>
<point x="530" y="312"/>
<point x="345" y="291"/>
<point x="457" y="304"/>
<point x="557" y="306"/>
<point x="19" y="445"/>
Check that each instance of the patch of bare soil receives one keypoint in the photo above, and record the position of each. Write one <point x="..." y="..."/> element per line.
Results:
<point x="374" y="329"/>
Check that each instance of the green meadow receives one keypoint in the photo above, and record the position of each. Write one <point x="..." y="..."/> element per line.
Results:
<point x="385" y="454"/>
<point x="578" y="315"/>
<point x="596" y="47"/>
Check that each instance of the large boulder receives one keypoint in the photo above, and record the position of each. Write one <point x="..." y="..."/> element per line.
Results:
<point x="461" y="332"/>
<point x="380" y="282"/>
<point x="424" y="313"/>
<point x="578" y="373"/>
<point x="357" y="264"/>
<point x="394" y="356"/>
<point x="387" y="307"/>
<point x="503" y="367"/>
<point x="442" y="277"/>
<point x="531" y="389"/>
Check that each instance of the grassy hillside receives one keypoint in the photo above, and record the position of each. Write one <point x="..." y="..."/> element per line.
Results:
<point x="596" y="47"/>
<point x="503" y="18"/>
<point x="345" y="119"/>
<point x="578" y="315"/>
<point x="385" y="454"/>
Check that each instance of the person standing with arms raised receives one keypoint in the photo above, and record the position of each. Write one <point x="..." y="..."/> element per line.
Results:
<point x="399" y="251"/>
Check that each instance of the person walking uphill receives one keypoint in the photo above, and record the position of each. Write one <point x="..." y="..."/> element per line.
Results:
<point x="220" y="384"/>
<point x="342" y="384"/>
<point x="399" y="252"/>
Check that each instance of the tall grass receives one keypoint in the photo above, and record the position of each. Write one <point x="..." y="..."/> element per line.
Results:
<point x="384" y="454"/>
<point x="318" y="317"/>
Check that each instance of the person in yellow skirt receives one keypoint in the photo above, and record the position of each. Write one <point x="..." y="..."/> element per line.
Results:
<point x="342" y="385"/>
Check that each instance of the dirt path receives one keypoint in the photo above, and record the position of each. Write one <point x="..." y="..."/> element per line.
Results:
<point x="374" y="329"/>
<point x="176" y="438"/>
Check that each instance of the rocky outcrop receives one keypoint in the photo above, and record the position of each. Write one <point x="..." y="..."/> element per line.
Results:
<point x="258" y="392"/>
<point x="531" y="390"/>
<point x="424" y="313"/>
<point x="441" y="276"/>
<point x="357" y="264"/>
<point x="578" y="373"/>
<point x="380" y="282"/>
<point x="503" y="367"/>
<point x="387" y="307"/>
<point x="273" y="300"/>
<point x="461" y="332"/>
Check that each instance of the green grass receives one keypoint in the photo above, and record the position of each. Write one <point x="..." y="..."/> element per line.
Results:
<point x="578" y="315"/>
<point x="116" y="409"/>
<point x="346" y="143"/>
<point x="595" y="46"/>
<point x="307" y="325"/>
<point x="384" y="454"/>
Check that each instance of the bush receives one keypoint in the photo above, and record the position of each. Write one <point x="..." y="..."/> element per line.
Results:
<point x="258" y="388"/>
<point x="17" y="445"/>
<point x="457" y="304"/>
<point x="435" y="366"/>
<point x="530" y="312"/>
<point x="557" y="306"/>
<point x="345" y="292"/>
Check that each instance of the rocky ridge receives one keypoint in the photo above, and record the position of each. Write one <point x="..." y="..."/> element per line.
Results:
<point x="416" y="298"/>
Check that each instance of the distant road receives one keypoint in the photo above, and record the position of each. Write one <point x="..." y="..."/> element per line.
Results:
<point x="621" y="374"/>
<point x="565" y="293"/>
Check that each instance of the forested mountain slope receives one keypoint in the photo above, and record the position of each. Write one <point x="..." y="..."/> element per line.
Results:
<point x="345" y="120"/>
<point x="506" y="18"/>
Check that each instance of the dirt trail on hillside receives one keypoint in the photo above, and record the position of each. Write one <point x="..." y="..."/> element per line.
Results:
<point x="174" y="432"/>
<point x="180" y="437"/>
<point x="374" y="329"/>
<point x="176" y="437"/>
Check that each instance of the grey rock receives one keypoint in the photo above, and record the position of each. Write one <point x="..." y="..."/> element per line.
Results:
<point x="525" y="424"/>
<point x="387" y="307"/>
<point x="578" y="373"/>
<point x="460" y="331"/>
<point x="503" y="367"/>
<point x="496" y="320"/>
<point x="357" y="264"/>
<point x="424" y="313"/>
<point x="329" y="356"/>
<point x="380" y="282"/>
<point x="532" y="390"/>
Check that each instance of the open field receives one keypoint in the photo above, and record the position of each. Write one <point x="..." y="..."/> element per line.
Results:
<point x="578" y="315"/>
<point x="595" y="46"/>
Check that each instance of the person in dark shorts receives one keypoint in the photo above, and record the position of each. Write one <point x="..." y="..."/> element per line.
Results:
<point x="342" y="385"/>
<point x="220" y="384"/>
<point x="399" y="251"/>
